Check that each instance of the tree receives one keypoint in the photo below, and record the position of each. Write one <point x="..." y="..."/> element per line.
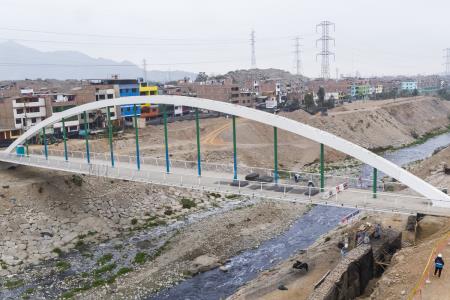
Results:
<point x="321" y="95"/>
<point x="309" y="102"/>
<point x="201" y="77"/>
<point x="331" y="103"/>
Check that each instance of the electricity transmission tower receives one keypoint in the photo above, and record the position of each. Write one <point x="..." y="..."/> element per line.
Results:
<point x="253" y="42"/>
<point x="447" y="61"/>
<point x="298" y="60"/>
<point x="325" y="53"/>
<point x="145" y="69"/>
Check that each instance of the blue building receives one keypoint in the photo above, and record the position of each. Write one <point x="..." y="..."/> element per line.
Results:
<point x="128" y="90"/>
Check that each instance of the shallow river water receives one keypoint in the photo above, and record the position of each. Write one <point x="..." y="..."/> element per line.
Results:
<point x="216" y="284"/>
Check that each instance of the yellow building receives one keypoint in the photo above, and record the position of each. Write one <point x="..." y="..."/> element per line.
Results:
<point x="147" y="90"/>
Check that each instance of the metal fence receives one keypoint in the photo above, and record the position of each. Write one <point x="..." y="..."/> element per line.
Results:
<point x="388" y="202"/>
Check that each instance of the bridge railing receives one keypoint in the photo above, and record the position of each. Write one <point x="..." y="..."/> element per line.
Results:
<point x="390" y="202"/>
<point x="285" y="175"/>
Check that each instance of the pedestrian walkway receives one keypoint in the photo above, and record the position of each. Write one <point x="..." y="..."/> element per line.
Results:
<point x="222" y="182"/>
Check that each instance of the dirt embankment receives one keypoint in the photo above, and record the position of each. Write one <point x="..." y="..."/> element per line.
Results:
<point x="408" y="264"/>
<point x="372" y="124"/>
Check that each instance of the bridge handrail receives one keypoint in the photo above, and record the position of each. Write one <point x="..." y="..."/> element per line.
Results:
<point x="117" y="167"/>
<point x="173" y="162"/>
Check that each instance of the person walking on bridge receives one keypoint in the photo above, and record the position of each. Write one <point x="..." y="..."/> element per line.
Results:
<point x="438" y="265"/>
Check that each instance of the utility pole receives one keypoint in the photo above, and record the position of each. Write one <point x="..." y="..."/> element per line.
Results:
<point x="298" y="62"/>
<point x="253" y="44"/>
<point x="447" y="61"/>
<point x="145" y="69"/>
<point x="325" y="53"/>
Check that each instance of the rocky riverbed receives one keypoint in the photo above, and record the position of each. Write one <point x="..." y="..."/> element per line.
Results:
<point x="71" y="236"/>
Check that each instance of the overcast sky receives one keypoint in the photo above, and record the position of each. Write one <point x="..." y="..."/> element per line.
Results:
<point x="372" y="37"/>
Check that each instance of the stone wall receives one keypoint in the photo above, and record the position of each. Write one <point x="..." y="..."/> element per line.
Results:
<point x="349" y="278"/>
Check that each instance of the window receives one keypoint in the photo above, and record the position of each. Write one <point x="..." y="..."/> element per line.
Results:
<point x="110" y="96"/>
<point x="19" y="111"/>
<point x="18" y="121"/>
<point x="33" y="110"/>
<point x="113" y="114"/>
<point x="73" y="128"/>
<point x="33" y="120"/>
<point x="101" y="97"/>
<point x="134" y="90"/>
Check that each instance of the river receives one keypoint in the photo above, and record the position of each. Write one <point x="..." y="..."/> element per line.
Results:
<point x="216" y="284"/>
<point x="407" y="155"/>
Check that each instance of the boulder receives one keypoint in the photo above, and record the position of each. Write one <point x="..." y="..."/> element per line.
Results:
<point x="204" y="263"/>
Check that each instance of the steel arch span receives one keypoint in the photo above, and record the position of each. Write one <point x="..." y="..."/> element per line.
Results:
<point x="314" y="134"/>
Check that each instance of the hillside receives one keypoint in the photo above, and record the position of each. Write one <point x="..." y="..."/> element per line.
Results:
<point x="262" y="74"/>
<point x="20" y="62"/>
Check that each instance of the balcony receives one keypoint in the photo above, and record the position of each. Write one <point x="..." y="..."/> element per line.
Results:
<point x="28" y="103"/>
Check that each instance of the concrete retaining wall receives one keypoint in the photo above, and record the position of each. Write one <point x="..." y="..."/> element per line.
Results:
<point x="349" y="278"/>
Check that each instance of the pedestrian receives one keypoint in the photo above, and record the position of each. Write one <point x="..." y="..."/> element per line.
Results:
<point x="297" y="177"/>
<point x="438" y="265"/>
<point x="377" y="234"/>
<point x="366" y="239"/>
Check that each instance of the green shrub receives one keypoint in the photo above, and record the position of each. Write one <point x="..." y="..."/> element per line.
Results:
<point x="80" y="245"/>
<point x="105" y="268"/>
<point x="123" y="270"/>
<point x="77" y="180"/>
<point x="13" y="284"/>
<point x="188" y="203"/>
<point x="63" y="265"/>
<point x="57" y="251"/>
<point x="140" y="258"/>
<point x="104" y="259"/>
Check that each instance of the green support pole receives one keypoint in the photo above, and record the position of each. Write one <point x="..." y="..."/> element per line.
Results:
<point x="374" y="184"/>
<point x="45" y="143"/>
<point x="110" y="133"/>
<point x="275" y="154"/>
<point x="322" y="177"/>
<point x="197" y="126"/>
<point x="138" y="159"/>
<point x="64" y="139"/>
<point x="166" y="141"/>
<point x="86" y="136"/>
<point x="234" y="149"/>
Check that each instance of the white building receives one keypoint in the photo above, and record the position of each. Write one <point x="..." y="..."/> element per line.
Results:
<point x="107" y="94"/>
<point x="409" y="85"/>
<point x="28" y="111"/>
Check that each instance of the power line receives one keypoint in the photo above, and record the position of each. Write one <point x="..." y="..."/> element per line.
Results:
<point x="325" y="53"/>
<point x="130" y="36"/>
<point x="25" y="64"/>
<point x="253" y="42"/>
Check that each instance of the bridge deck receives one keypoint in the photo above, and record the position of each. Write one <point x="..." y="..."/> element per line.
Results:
<point x="216" y="181"/>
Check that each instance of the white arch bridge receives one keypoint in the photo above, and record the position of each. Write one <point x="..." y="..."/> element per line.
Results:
<point x="137" y="168"/>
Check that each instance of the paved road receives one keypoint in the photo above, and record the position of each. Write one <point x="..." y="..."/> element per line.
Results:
<point x="222" y="182"/>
